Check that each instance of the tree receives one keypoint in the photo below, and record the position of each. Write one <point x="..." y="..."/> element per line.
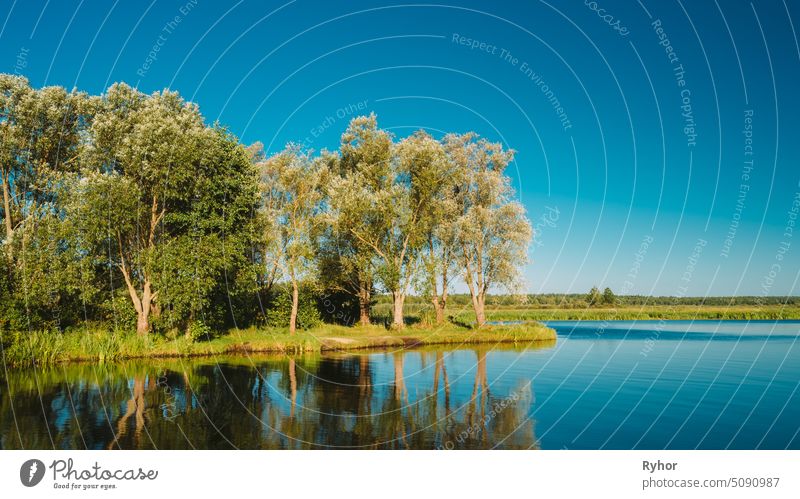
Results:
<point x="140" y="182"/>
<point x="594" y="297"/>
<point x="292" y="183"/>
<point x="40" y="131"/>
<point x="367" y="206"/>
<point x="493" y="233"/>
<point x="434" y="182"/>
<point x="40" y="141"/>
<point x="349" y="260"/>
<point x="608" y="297"/>
<point x="129" y="207"/>
<point x="384" y="205"/>
<point x="204" y="262"/>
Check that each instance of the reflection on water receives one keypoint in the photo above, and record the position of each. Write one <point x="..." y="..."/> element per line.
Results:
<point x="601" y="386"/>
<point x="415" y="400"/>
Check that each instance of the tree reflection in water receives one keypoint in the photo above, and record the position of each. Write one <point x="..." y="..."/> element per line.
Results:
<point x="422" y="399"/>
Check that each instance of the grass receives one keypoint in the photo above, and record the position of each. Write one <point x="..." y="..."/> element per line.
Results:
<point x="100" y="345"/>
<point x="47" y="348"/>
<point x="650" y="312"/>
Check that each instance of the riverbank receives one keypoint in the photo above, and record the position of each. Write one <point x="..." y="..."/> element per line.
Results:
<point x="630" y="313"/>
<point x="46" y="348"/>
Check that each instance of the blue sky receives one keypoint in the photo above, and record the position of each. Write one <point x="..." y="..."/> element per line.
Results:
<point x="645" y="158"/>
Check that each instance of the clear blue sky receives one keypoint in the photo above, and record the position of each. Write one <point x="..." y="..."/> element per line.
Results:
<point x="613" y="155"/>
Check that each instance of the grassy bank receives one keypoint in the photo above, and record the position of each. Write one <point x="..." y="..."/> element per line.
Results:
<point x="666" y="312"/>
<point x="44" y="348"/>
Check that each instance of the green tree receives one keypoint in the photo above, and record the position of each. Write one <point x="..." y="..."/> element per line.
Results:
<point x="41" y="138"/>
<point x="369" y="203"/>
<point x="594" y="297"/>
<point x="145" y="149"/>
<point x="163" y="200"/>
<point x="434" y="184"/>
<point x="196" y="271"/>
<point x="384" y="205"/>
<point x="608" y="297"/>
<point x="493" y="233"/>
<point x="40" y="142"/>
<point x="348" y="258"/>
<point x="292" y="184"/>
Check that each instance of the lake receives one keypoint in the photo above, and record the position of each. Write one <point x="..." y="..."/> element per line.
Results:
<point x="601" y="385"/>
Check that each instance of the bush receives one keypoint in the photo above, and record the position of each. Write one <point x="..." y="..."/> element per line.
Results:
<point x="280" y="308"/>
<point x="200" y="331"/>
<point x="118" y="311"/>
<point x="39" y="347"/>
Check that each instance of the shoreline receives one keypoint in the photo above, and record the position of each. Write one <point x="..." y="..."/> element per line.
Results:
<point x="98" y="345"/>
<point x="57" y="348"/>
<point x="649" y="312"/>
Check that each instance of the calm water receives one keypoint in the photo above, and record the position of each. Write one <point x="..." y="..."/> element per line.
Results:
<point x="621" y="385"/>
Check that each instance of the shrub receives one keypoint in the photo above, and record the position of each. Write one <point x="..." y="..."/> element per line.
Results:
<point x="200" y="331"/>
<point x="280" y="308"/>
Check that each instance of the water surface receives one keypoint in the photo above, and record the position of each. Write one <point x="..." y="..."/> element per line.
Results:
<point x="623" y="385"/>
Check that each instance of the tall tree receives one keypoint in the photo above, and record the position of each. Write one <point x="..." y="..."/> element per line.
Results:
<point x="204" y="262"/>
<point x="594" y="297"/>
<point x="385" y="205"/>
<point x="293" y="183"/>
<point x="493" y="232"/>
<point x="438" y="228"/>
<point x="146" y="149"/>
<point x="364" y="162"/>
<point x="608" y="297"/>
<point x="40" y="134"/>
<point x="266" y="249"/>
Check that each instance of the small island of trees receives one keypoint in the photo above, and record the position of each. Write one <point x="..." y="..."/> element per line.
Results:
<point x="127" y="212"/>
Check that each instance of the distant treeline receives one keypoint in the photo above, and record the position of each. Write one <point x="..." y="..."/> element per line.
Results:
<point x="128" y="211"/>
<point x="574" y="300"/>
<point x="570" y="300"/>
<point x="556" y="306"/>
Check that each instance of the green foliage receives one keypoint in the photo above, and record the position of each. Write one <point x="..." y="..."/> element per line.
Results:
<point x="33" y="348"/>
<point x="200" y="331"/>
<point x="594" y="297"/>
<point x="126" y="212"/>
<point x="280" y="308"/>
<point x="609" y="298"/>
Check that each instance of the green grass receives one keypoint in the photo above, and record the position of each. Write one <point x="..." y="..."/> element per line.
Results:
<point x="575" y="312"/>
<point x="100" y="345"/>
<point x="666" y="312"/>
<point x="47" y="348"/>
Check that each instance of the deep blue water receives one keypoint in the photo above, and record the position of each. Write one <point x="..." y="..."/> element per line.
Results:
<point x="622" y="385"/>
<point x="671" y="384"/>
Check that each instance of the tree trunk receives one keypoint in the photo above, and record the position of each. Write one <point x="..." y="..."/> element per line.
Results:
<point x="364" y="298"/>
<point x="363" y="314"/>
<point x="438" y="306"/>
<point x="440" y="314"/>
<point x="397" y="309"/>
<point x="443" y="298"/>
<point x="143" y="320"/>
<point x="143" y="323"/>
<point x="295" y="304"/>
<point x="7" y="214"/>
<point x="437" y="303"/>
<point x="477" y="293"/>
<point x="478" y="303"/>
